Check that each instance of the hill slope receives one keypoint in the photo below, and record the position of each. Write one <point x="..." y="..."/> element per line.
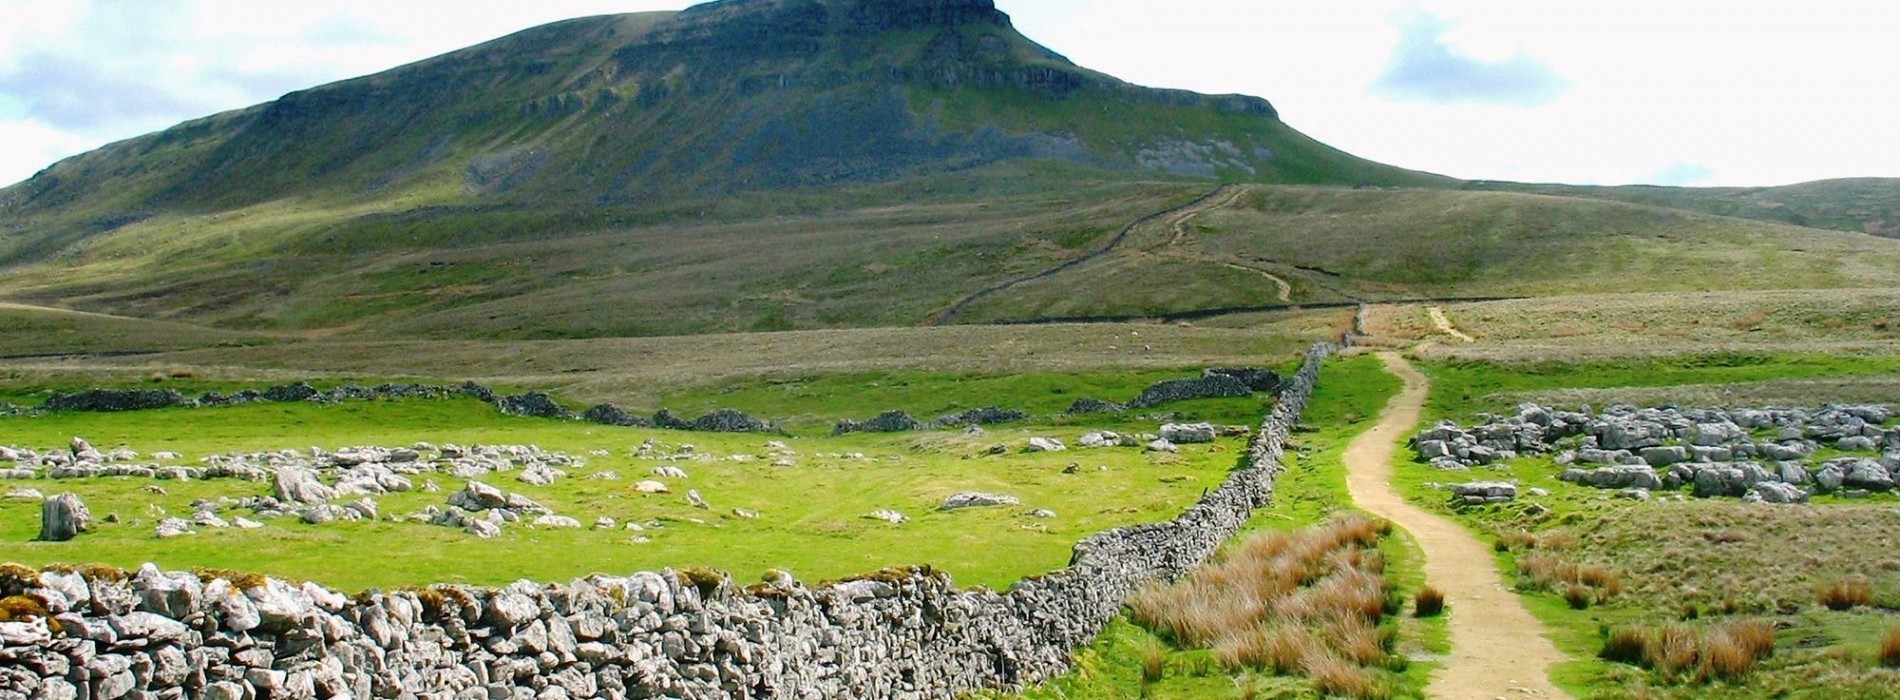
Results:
<point x="760" y="165"/>
<point x="1865" y="205"/>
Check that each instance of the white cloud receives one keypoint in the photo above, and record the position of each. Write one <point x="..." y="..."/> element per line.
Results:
<point x="1429" y="65"/>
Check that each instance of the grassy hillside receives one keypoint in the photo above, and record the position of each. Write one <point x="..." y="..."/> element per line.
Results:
<point x="864" y="256"/>
<point x="1866" y="205"/>
<point x="36" y="331"/>
<point x="1332" y="245"/>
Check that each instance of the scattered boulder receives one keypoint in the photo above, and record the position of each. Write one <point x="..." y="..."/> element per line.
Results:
<point x="1779" y="493"/>
<point x="1191" y="434"/>
<point x="483" y="529"/>
<point x="1481" y="492"/>
<point x="538" y="475"/>
<point x="695" y="500"/>
<point x="974" y="499"/>
<point x="1618" y="477"/>
<point x="1857" y="443"/>
<point x="557" y="522"/>
<point x="1665" y="456"/>
<point x="1164" y="446"/>
<point x="1867" y="475"/>
<point x="299" y="485"/>
<point x="168" y="528"/>
<point x="889" y="516"/>
<point x="62" y="518"/>
<point x="669" y="472"/>
<point x="1100" y="439"/>
<point x="1042" y="444"/>
<point x="1720" y="481"/>
<point x="476" y="496"/>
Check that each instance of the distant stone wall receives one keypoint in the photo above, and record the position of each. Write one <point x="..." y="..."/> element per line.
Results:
<point x="532" y="404"/>
<point x="687" y="634"/>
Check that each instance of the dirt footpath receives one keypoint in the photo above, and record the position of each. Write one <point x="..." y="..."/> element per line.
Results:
<point x="1497" y="649"/>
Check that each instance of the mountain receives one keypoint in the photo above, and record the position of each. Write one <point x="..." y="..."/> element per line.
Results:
<point x="636" y="110"/>
<point x="785" y="164"/>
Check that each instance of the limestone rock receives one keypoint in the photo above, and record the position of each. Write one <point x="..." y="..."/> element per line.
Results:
<point x="299" y="485"/>
<point x="1484" y="492"/>
<point x="63" y="517"/>
<point x="557" y="522"/>
<point x="484" y="529"/>
<point x="1779" y="493"/>
<point x="975" y="499"/>
<point x="1191" y="434"/>
<point x="1042" y="444"/>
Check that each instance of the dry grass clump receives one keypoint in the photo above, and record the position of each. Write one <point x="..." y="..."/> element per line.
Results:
<point x="1846" y="594"/>
<point x="1303" y="603"/>
<point x="1541" y="565"/>
<point x="1580" y="585"/>
<point x="1430" y="602"/>
<point x="1676" y="650"/>
<point x="1889" y="655"/>
<point x="1154" y="657"/>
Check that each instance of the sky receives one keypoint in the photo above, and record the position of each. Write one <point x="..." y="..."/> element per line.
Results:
<point x="1671" y="92"/>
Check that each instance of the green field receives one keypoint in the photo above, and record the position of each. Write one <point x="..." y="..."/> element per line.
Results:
<point x="820" y="534"/>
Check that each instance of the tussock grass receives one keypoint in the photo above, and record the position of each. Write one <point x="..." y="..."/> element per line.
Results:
<point x="1430" y="602"/>
<point x="1154" y="658"/>
<point x="1678" y="651"/>
<point x="1580" y="585"/>
<point x="1889" y="654"/>
<point x="1301" y="603"/>
<point x="1845" y="594"/>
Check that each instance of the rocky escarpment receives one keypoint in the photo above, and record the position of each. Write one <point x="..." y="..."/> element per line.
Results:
<point x="904" y="633"/>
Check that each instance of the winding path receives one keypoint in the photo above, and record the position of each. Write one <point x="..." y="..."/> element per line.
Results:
<point x="1497" y="649"/>
<point x="1444" y="325"/>
<point x="1175" y="218"/>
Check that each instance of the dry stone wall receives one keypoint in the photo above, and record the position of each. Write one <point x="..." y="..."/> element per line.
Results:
<point x="910" y="633"/>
